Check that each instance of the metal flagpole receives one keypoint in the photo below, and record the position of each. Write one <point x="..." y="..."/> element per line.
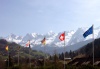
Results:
<point x="44" y="40"/>
<point x="29" y="54"/>
<point x="55" y="51"/>
<point x="64" y="50"/>
<point x="30" y="58"/>
<point x="8" y="55"/>
<point x="93" y="45"/>
<point x="55" y="56"/>
<point x="44" y="43"/>
<point x="18" y="56"/>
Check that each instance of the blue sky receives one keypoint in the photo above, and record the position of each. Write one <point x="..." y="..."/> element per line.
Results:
<point x="27" y="16"/>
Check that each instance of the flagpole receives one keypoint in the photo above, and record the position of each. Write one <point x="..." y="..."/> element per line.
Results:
<point x="29" y="54"/>
<point x="18" y="56"/>
<point x="30" y="57"/>
<point x="44" y="56"/>
<point x="88" y="32"/>
<point x="55" y="51"/>
<point x="64" y="51"/>
<point x="44" y="43"/>
<point x="93" y="45"/>
<point x="8" y="55"/>
<point x="55" y="56"/>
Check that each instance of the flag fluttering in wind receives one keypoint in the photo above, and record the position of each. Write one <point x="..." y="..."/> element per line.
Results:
<point x="62" y="36"/>
<point x="6" y="48"/>
<point x="28" y="44"/>
<point x="88" y="32"/>
<point x="18" y="48"/>
<point x="43" y="41"/>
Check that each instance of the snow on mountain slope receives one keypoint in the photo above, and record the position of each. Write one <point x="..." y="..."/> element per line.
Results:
<point x="27" y="37"/>
<point x="97" y="32"/>
<point x="72" y="37"/>
<point x="68" y="36"/>
<point x="14" y="38"/>
<point x="77" y="36"/>
<point x="52" y="39"/>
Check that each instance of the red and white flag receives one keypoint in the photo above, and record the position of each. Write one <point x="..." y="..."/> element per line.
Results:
<point x="62" y="36"/>
<point x="28" y="43"/>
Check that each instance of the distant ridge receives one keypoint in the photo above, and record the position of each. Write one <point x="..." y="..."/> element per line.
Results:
<point x="13" y="50"/>
<point x="52" y="39"/>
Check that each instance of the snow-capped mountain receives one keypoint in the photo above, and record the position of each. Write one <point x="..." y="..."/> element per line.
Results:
<point x="13" y="38"/>
<point x="52" y="39"/>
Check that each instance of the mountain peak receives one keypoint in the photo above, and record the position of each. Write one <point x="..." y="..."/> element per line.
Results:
<point x="12" y="35"/>
<point x="50" y="32"/>
<point x="34" y="35"/>
<point x="72" y="37"/>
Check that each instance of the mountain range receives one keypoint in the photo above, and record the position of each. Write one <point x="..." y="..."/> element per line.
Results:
<point x="73" y="40"/>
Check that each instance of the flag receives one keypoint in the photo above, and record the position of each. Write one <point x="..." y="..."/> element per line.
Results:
<point x="6" y="48"/>
<point x="88" y="32"/>
<point x="18" y="47"/>
<point x="62" y="36"/>
<point x="43" y="41"/>
<point x="28" y="44"/>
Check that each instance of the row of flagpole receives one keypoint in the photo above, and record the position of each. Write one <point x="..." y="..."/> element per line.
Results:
<point x="7" y="48"/>
<point x="28" y="44"/>
<point x="62" y="38"/>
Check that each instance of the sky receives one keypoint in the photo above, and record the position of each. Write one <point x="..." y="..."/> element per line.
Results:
<point x="41" y="16"/>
